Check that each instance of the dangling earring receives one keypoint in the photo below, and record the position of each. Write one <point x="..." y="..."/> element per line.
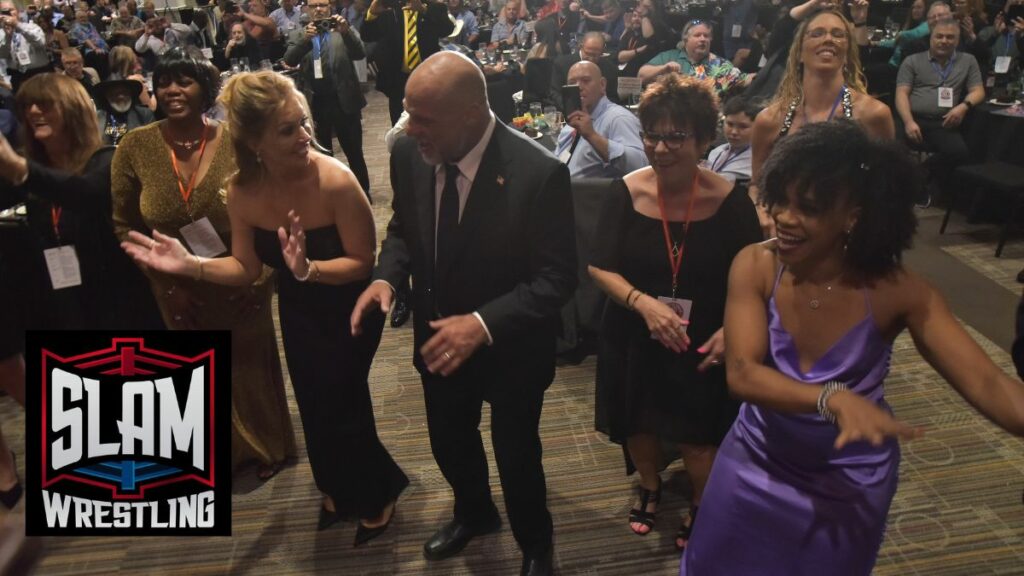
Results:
<point x="846" y="239"/>
<point x="259" y="159"/>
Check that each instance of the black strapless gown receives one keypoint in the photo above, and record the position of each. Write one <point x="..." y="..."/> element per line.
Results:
<point x="329" y="370"/>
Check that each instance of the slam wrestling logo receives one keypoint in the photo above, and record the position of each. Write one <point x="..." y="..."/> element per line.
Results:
<point x="128" y="435"/>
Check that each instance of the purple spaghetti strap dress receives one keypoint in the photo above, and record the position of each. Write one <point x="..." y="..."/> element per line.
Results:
<point x="781" y="500"/>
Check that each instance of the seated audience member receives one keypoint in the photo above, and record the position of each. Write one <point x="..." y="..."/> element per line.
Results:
<point x="56" y="39"/>
<point x="509" y="30"/>
<point x="470" y="31"/>
<point x="126" y="27"/>
<point x="241" y="45"/>
<point x="693" y="57"/>
<point x="125" y="65"/>
<point x="592" y="49"/>
<point x="286" y="18"/>
<point x="603" y="139"/>
<point x="934" y="92"/>
<point x="969" y="41"/>
<point x="152" y="39"/>
<point x="22" y="45"/>
<point x="74" y="67"/>
<point x="647" y="34"/>
<point x="610" y="21"/>
<point x="119" y="110"/>
<point x="88" y="37"/>
<point x="732" y="159"/>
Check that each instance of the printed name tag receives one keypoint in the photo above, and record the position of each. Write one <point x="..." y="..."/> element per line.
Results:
<point x="680" y="306"/>
<point x="202" y="239"/>
<point x="23" y="59"/>
<point x="62" y="264"/>
<point x="762" y="62"/>
<point x="207" y="53"/>
<point x="737" y="30"/>
<point x="945" y="97"/>
<point x="318" y="69"/>
<point x="1002" y="64"/>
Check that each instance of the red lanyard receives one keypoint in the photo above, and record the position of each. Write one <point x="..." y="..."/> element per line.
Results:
<point x="186" y="193"/>
<point x="675" y="259"/>
<point x="55" y="212"/>
<point x="632" y="43"/>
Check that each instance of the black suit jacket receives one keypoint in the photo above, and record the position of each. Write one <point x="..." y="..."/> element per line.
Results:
<point x="515" y="261"/>
<point x="344" y="49"/>
<point x="388" y="31"/>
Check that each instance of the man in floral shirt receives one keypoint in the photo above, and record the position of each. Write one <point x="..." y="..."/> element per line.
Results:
<point x="694" y="58"/>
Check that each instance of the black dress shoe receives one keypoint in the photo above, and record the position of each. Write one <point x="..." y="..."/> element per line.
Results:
<point x="537" y="564"/>
<point x="453" y="537"/>
<point x="399" y="310"/>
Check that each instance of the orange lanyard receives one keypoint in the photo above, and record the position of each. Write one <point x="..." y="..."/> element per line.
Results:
<point x="55" y="212"/>
<point x="186" y="193"/>
<point x="675" y="259"/>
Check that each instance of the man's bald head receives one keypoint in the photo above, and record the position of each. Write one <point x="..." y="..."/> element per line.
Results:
<point x="587" y="67"/>
<point x="592" y="84"/>
<point x="450" y="77"/>
<point x="446" y="98"/>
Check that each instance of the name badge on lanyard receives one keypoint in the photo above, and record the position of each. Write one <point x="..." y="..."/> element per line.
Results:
<point x="1002" y="64"/>
<point x="62" y="265"/>
<point x="21" y="52"/>
<point x="945" y="97"/>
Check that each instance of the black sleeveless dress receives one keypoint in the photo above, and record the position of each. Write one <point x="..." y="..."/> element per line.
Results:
<point x="329" y="370"/>
<point x="643" y="387"/>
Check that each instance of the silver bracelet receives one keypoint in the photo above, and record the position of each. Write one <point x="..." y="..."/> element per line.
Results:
<point x="309" y="270"/>
<point x="830" y="388"/>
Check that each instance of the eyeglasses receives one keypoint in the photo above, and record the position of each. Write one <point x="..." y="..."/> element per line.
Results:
<point x="696" y="22"/>
<point x="838" y="34"/>
<point x="672" y="140"/>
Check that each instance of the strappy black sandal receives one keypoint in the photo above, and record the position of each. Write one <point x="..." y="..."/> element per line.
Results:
<point x="641" y="515"/>
<point x="683" y="536"/>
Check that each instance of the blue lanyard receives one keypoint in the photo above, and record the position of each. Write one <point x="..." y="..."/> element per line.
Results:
<point x="1006" y="44"/>
<point x="317" y="40"/>
<point x="944" y="74"/>
<point x="729" y="157"/>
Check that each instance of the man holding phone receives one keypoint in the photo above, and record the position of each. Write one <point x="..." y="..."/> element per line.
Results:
<point x="600" y="139"/>
<point x="22" y="45"/>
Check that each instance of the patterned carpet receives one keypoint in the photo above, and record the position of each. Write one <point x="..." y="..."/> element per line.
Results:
<point x="958" y="510"/>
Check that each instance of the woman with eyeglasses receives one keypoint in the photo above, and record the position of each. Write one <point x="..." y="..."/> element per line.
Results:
<point x="670" y="231"/>
<point x="823" y="81"/>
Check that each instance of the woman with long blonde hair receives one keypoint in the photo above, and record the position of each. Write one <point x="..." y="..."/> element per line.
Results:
<point x="823" y="81"/>
<point x="304" y="214"/>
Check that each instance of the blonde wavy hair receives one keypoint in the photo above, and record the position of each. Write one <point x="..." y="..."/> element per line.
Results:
<point x="792" y="88"/>
<point x="252" y="100"/>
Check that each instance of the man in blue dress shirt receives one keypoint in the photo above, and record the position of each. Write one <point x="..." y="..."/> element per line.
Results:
<point x="603" y="139"/>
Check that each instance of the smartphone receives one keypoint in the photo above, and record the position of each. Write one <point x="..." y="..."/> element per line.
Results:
<point x="1015" y="11"/>
<point x="571" y="99"/>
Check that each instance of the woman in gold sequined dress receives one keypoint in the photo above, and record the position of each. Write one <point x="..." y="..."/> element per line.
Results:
<point x="169" y="176"/>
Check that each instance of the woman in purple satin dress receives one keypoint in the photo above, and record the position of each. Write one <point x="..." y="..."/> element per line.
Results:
<point x="803" y="481"/>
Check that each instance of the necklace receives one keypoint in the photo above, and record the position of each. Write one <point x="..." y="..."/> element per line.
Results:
<point x="815" y="302"/>
<point x="187" y="145"/>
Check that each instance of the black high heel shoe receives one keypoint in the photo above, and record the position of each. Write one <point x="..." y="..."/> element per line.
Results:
<point x="10" y="498"/>
<point x="326" y="519"/>
<point x="641" y="515"/>
<point x="365" y="534"/>
<point x="684" y="531"/>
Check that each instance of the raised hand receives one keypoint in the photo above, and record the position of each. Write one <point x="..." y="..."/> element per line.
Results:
<point x="376" y="294"/>
<point x="161" y="252"/>
<point x="293" y="246"/>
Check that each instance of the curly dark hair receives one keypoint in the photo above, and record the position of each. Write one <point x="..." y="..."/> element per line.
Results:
<point x="189" y="63"/>
<point x="836" y="162"/>
<point x="688" y="103"/>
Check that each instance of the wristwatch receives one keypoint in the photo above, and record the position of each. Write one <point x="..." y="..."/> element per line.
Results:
<point x="967" y="103"/>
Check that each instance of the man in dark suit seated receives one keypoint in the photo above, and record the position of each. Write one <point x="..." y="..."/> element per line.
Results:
<point x="406" y="35"/>
<point x="483" y="223"/>
<point x="591" y="49"/>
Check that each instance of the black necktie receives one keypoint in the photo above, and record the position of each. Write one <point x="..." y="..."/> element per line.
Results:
<point x="447" y="218"/>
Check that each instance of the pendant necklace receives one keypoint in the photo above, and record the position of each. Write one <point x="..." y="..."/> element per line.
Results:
<point x="815" y="302"/>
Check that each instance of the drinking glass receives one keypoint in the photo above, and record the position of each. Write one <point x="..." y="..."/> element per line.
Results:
<point x="236" y="65"/>
<point x="490" y="56"/>
<point x="266" y="64"/>
<point x="550" y="113"/>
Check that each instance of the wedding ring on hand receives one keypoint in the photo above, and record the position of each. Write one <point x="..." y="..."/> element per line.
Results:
<point x="448" y="355"/>
<point x="716" y="361"/>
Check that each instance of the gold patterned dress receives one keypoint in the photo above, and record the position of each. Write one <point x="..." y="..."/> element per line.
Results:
<point x="146" y="197"/>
